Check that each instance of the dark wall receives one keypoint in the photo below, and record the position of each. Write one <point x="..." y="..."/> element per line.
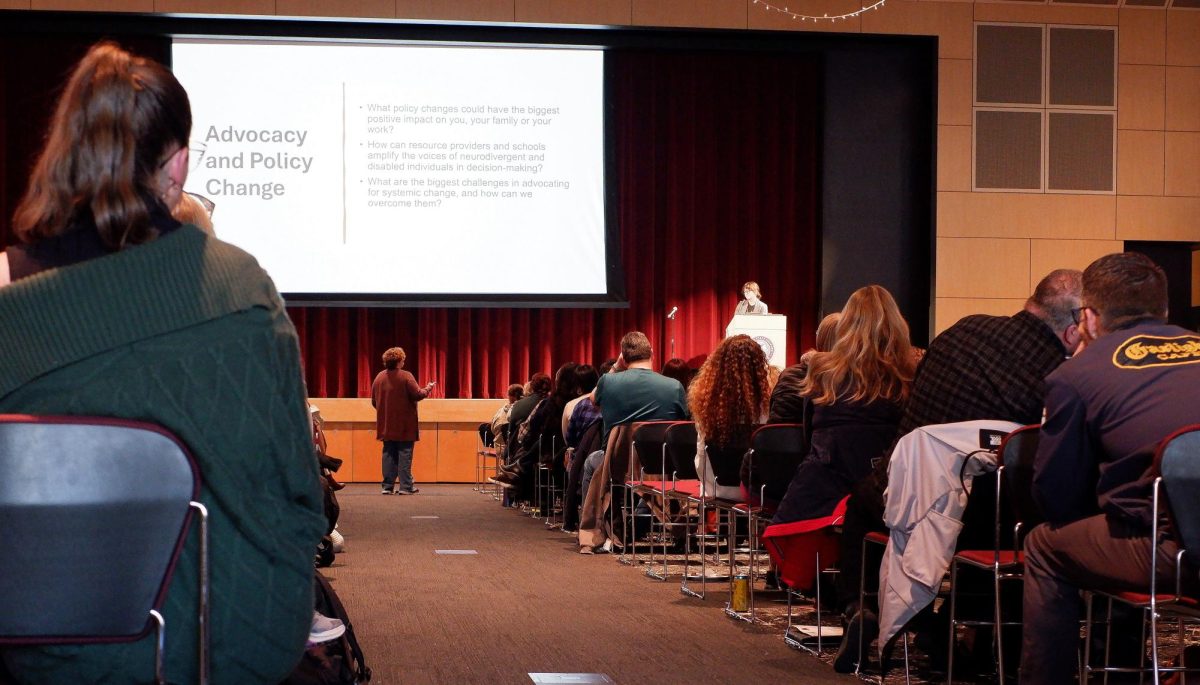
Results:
<point x="877" y="188"/>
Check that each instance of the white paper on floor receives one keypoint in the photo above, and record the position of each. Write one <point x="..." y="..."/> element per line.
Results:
<point x="455" y="551"/>
<point x="557" y="678"/>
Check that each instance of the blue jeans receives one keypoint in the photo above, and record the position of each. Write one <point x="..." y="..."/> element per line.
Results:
<point x="397" y="463"/>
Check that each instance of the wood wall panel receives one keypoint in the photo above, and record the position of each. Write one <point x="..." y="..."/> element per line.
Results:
<point x="954" y="158"/>
<point x="955" y="91"/>
<point x="951" y="22"/>
<point x="1183" y="38"/>
<point x="91" y="5"/>
<point x="726" y="14"/>
<point x="1183" y="98"/>
<point x="1140" y="96"/>
<point x="1140" y="162"/>
<point x="615" y="12"/>
<point x="1026" y="215"/>
<point x="455" y="10"/>
<point x="762" y="18"/>
<point x="425" y="456"/>
<point x="336" y="8"/>
<point x="1158" y="218"/>
<point x="1142" y="37"/>
<point x="249" y="7"/>
<point x="456" y="454"/>
<point x="15" y="4"/>
<point x="1047" y="255"/>
<point x="1030" y="13"/>
<point x="982" y="267"/>
<point x="367" y="456"/>
<point x="1182" y="174"/>
<point x="950" y="309"/>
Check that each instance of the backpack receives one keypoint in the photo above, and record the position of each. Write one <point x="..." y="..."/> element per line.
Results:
<point x="337" y="662"/>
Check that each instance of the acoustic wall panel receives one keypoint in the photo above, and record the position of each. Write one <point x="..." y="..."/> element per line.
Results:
<point x="1008" y="64"/>
<point x="1080" y="151"/>
<point x="1008" y="150"/>
<point x="1082" y="67"/>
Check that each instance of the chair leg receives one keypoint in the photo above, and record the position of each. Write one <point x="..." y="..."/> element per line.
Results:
<point x="953" y="622"/>
<point x="999" y="627"/>
<point x="159" y="646"/>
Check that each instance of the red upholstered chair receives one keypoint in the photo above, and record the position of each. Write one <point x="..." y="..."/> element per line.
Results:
<point x="74" y="490"/>
<point x="802" y="550"/>
<point x="1177" y="461"/>
<point x="1005" y="561"/>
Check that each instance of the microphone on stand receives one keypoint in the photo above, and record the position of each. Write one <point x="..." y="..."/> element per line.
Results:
<point x="671" y="316"/>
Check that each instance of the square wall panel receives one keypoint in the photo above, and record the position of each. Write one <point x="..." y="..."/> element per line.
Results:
<point x="1083" y="65"/>
<point x="1080" y="151"/>
<point x="1008" y="64"/>
<point x="1008" y="150"/>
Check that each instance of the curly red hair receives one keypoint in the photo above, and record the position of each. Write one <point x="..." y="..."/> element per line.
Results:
<point x="731" y="391"/>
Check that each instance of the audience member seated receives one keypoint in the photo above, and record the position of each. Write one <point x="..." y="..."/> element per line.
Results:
<point x="535" y="391"/>
<point x="586" y="377"/>
<point x="787" y="402"/>
<point x="1132" y="385"/>
<point x="133" y="315"/>
<point x="632" y="391"/>
<point x="982" y="367"/>
<point x="727" y="400"/>
<point x="854" y="394"/>
<point x="500" y="418"/>
<point x="542" y="440"/>
<point x="679" y="370"/>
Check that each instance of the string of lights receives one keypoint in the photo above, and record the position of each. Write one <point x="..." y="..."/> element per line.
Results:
<point x="824" y="17"/>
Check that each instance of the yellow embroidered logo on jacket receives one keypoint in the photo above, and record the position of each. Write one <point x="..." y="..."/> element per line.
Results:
<point x="1147" y="351"/>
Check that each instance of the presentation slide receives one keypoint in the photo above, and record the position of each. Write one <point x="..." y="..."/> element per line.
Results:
<point x="352" y="169"/>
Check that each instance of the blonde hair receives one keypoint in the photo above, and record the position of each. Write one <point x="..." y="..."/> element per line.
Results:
<point x="871" y="357"/>
<point x="731" y="391"/>
<point x="753" y="287"/>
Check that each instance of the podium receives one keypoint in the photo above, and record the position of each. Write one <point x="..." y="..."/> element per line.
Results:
<point x="768" y="330"/>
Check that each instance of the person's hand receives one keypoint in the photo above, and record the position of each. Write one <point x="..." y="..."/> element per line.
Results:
<point x="429" y="386"/>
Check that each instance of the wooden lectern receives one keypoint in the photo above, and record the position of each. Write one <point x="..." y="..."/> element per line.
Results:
<point x="768" y="330"/>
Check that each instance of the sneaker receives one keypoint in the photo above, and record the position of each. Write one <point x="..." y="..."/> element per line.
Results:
<point x="385" y="491"/>
<point x="325" y="629"/>
<point x="407" y="492"/>
<point x="339" y="542"/>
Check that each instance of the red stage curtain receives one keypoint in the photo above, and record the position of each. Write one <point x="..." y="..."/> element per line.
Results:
<point x="717" y="161"/>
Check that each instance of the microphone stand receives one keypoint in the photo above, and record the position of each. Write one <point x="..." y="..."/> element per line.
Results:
<point x="671" y="317"/>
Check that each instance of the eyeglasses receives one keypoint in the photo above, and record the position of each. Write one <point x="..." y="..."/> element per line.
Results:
<point x="196" y="150"/>
<point x="1077" y="313"/>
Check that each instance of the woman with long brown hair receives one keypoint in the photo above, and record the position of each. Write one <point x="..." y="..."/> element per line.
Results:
<point x="854" y="394"/>
<point x="116" y="309"/>
<point x="727" y="399"/>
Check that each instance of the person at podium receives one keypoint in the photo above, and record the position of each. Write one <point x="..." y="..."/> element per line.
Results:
<point x="751" y="304"/>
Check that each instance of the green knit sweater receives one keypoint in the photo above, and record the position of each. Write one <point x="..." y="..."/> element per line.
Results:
<point x="189" y="333"/>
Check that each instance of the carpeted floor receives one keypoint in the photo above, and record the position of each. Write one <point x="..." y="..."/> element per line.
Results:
<point x="528" y="602"/>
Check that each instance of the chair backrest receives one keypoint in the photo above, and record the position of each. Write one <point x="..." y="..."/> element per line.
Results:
<point x="94" y="512"/>
<point x="486" y="437"/>
<point x="649" y="440"/>
<point x="1017" y="453"/>
<point x="1178" y="461"/>
<point x="681" y="450"/>
<point x="775" y="452"/>
<point x="726" y="460"/>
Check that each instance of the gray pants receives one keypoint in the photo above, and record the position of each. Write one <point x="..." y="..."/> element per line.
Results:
<point x="1094" y="553"/>
<point x="397" y="464"/>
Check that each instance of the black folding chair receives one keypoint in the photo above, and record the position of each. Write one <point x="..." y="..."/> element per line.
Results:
<point x="650" y="444"/>
<point x="95" y="512"/>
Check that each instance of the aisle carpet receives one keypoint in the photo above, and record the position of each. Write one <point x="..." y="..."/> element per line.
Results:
<point x="528" y="602"/>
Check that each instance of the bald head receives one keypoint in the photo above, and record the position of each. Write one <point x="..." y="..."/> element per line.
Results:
<point x="1054" y="298"/>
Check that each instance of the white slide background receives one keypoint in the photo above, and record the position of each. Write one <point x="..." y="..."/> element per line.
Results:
<point x="367" y="169"/>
